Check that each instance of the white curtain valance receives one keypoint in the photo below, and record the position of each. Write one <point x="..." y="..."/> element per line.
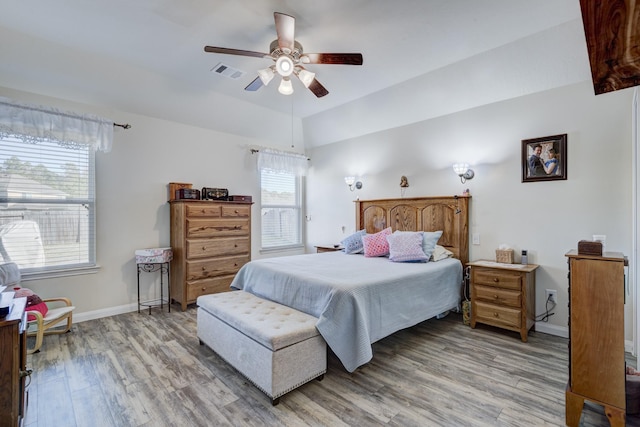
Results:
<point x="282" y="161"/>
<point x="32" y="123"/>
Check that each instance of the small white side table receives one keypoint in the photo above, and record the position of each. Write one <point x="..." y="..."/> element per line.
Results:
<point x="149" y="261"/>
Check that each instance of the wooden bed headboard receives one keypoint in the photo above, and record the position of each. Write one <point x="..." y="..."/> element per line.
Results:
<point x="449" y="214"/>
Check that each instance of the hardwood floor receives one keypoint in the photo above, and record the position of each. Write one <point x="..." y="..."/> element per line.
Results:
<point x="149" y="370"/>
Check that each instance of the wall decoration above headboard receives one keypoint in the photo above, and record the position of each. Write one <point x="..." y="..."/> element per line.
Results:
<point x="448" y="213"/>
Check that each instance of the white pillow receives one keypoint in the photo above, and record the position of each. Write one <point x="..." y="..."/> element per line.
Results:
<point x="440" y="253"/>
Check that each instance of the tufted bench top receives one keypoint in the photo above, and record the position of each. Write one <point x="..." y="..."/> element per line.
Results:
<point x="271" y="324"/>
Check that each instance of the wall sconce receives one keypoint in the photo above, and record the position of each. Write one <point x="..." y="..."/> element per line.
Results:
<point x="463" y="171"/>
<point x="352" y="183"/>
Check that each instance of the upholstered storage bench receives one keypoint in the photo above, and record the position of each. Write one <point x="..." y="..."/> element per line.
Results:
<point x="276" y="347"/>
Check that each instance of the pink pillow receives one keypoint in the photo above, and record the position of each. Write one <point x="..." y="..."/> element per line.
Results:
<point x="406" y="247"/>
<point x="34" y="302"/>
<point x="376" y="244"/>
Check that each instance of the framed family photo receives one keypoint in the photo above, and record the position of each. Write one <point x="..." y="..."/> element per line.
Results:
<point x="544" y="159"/>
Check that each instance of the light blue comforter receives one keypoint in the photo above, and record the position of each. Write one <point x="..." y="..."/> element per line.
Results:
<point x="357" y="300"/>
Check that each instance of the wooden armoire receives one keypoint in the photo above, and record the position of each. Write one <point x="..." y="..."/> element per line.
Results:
<point x="596" y="335"/>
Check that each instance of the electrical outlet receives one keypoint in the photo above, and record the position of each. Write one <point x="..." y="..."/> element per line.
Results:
<point x="551" y="294"/>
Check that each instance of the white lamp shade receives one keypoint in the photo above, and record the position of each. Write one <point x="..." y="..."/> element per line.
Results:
<point x="266" y="75"/>
<point x="285" y="88"/>
<point x="306" y="77"/>
<point x="284" y="66"/>
<point x="461" y="168"/>
<point x="349" y="180"/>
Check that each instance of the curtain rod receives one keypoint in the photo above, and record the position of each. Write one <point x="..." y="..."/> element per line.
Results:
<point x="255" y="150"/>
<point x="124" y="126"/>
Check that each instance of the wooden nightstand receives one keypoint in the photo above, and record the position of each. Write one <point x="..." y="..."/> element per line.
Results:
<point x="320" y="249"/>
<point x="503" y="295"/>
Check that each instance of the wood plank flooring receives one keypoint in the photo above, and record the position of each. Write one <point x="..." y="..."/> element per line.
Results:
<point x="150" y="370"/>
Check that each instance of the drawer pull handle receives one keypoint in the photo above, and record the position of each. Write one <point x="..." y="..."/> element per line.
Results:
<point x="204" y="289"/>
<point x="204" y="268"/>
<point x="236" y="211"/>
<point x="235" y="246"/>
<point x="204" y="248"/>
<point x="494" y="297"/>
<point x="496" y="315"/>
<point x="495" y="279"/>
<point x="235" y="264"/>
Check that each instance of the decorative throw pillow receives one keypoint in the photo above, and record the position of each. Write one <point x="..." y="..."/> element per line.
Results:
<point x="34" y="302"/>
<point x="406" y="247"/>
<point x="440" y="252"/>
<point x="376" y="244"/>
<point x="429" y="240"/>
<point x="353" y="243"/>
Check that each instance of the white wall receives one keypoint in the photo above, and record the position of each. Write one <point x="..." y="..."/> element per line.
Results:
<point x="546" y="218"/>
<point x="131" y="198"/>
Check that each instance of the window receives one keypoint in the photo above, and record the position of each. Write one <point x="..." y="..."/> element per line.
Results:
<point x="47" y="205"/>
<point x="47" y="182"/>
<point x="281" y="209"/>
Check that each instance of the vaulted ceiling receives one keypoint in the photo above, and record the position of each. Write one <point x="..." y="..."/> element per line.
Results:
<point x="432" y="56"/>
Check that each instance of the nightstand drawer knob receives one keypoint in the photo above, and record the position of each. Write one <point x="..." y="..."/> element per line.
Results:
<point x="496" y="297"/>
<point x="496" y="315"/>
<point x="204" y="248"/>
<point x="495" y="279"/>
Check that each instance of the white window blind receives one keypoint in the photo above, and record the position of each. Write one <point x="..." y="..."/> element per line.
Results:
<point x="47" y="204"/>
<point x="281" y="209"/>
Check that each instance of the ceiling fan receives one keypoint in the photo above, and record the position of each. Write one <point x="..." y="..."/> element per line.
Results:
<point x="288" y="56"/>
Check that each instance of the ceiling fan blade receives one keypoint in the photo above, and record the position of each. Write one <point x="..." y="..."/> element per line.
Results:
<point x="332" y="58"/>
<point x="227" y="51"/>
<point x="317" y="89"/>
<point x="285" y="28"/>
<point x="254" y="85"/>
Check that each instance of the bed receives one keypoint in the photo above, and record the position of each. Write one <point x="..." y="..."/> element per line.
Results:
<point x="359" y="300"/>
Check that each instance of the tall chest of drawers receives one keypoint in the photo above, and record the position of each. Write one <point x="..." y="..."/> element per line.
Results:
<point x="210" y="240"/>
<point x="596" y="335"/>
<point x="503" y="295"/>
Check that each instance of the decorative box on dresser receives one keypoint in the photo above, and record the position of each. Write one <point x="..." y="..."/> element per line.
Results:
<point x="596" y="335"/>
<point x="210" y="240"/>
<point x="503" y="295"/>
<point x="13" y="362"/>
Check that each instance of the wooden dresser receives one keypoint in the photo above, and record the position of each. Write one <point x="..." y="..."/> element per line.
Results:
<point x="596" y="335"/>
<point x="13" y="362"/>
<point x="503" y="295"/>
<point x="210" y="240"/>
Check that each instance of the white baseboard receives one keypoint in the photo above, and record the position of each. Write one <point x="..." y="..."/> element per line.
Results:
<point x="560" y="331"/>
<point x="104" y="312"/>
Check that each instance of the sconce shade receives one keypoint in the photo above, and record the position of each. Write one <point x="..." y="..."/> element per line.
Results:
<point x="352" y="183"/>
<point x="460" y="168"/>
<point x="285" y="88"/>
<point x="463" y="171"/>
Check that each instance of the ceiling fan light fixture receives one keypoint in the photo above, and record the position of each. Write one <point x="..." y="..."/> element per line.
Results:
<point x="266" y="75"/>
<point x="285" y="88"/>
<point x="284" y="66"/>
<point x="306" y="77"/>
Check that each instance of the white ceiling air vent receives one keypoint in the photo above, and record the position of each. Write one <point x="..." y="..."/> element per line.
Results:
<point x="227" y="71"/>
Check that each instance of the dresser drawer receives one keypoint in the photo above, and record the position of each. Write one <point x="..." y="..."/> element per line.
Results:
<point x="208" y="286"/>
<point x="497" y="315"/>
<point x="202" y="209"/>
<point x="215" y="267"/>
<point x="499" y="296"/>
<point x="202" y="248"/>
<point x="236" y="211"/>
<point x="202" y="227"/>
<point x="497" y="278"/>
